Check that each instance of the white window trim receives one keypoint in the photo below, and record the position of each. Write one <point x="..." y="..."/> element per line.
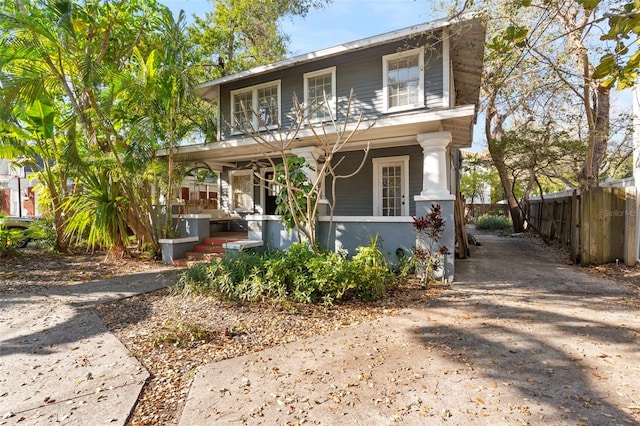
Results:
<point x="378" y="163"/>
<point x="385" y="71"/>
<point x="333" y="103"/>
<point x="447" y="79"/>
<point x="232" y="174"/>
<point x="254" y="104"/>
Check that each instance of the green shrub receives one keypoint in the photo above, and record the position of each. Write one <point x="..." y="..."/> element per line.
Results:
<point x="44" y="233"/>
<point x="374" y="275"/>
<point x="10" y="239"/>
<point x="297" y="274"/>
<point x="491" y="222"/>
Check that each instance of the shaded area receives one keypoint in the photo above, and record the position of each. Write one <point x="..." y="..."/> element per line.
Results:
<point x="566" y="341"/>
<point x="518" y="339"/>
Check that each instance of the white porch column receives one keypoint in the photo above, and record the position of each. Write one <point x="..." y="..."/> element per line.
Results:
<point x="311" y="154"/>
<point x="435" y="190"/>
<point x="434" y="169"/>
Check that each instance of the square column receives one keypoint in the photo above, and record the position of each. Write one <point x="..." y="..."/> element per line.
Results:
<point x="435" y="191"/>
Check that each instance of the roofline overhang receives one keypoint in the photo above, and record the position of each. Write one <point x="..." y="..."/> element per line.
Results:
<point x="210" y="87"/>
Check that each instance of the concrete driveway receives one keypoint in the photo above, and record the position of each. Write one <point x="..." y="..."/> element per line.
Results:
<point x="517" y="339"/>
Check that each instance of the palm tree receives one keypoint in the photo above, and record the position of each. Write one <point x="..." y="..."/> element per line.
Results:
<point x="71" y="53"/>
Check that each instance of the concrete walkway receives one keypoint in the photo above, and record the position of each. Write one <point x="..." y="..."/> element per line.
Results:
<point x="518" y="339"/>
<point x="58" y="362"/>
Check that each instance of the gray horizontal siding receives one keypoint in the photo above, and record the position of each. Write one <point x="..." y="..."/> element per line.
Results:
<point x="349" y="236"/>
<point x="355" y="195"/>
<point x="359" y="70"/>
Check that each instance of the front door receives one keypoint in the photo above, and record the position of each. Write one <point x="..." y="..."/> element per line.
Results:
<point x="270" y="193"/>
<point x="391" y="186"/>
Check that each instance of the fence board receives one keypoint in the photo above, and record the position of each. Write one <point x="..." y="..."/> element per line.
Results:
<point x="618" y="229"/>
<point x="631" y="241"/>
<point x="575" y="228"/>
<point x="599" y="225"/>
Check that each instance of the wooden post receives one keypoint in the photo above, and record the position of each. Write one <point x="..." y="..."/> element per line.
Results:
<point x="607" y="214"/>
<point x="630" y="227"/>
<point x="574" y="223"/>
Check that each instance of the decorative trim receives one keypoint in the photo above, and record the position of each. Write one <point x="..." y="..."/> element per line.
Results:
<point x="446" y="70"/>
<point x="435" y="196"/>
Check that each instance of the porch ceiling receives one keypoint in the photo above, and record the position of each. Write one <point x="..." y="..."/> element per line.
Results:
<point x="379" y="132"/>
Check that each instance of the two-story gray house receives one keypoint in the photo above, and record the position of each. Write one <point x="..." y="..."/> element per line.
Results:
<point x="419" y="86"/>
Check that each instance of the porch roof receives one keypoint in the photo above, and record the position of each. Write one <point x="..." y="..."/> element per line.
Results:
<point x="379" y="132"/>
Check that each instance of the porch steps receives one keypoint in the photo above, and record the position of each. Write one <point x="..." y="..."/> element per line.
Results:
<point x="207" y="250"/>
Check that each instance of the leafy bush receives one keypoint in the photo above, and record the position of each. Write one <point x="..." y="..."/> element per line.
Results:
<point x="372" y="270"/>
<point x="297" y="274"/>
<point x="43" y="231"/>
<point x="10" y="239"/>
<point x="492" y="222"/>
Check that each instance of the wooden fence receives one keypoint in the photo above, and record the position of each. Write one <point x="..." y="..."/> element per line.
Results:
<point x="598" y="226"/>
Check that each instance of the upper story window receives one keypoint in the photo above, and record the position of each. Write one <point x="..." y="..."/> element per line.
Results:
<point x="257" y="106"/>
<point x="320" y="86"/>
<point x="403" y="86"/>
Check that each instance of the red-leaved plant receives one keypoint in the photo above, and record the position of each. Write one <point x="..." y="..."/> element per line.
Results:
<point x="430" y="257"/>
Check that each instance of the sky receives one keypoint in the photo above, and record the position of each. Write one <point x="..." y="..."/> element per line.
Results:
<point x="343" y="21"/>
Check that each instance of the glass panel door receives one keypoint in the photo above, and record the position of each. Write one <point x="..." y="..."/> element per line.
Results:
<point x="391" y="186"/>
<point x="392" y="198"/>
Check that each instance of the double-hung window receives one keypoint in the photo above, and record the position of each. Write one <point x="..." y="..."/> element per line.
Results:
<point x="256" y="107"/>
<point x="403" y="85"/>
<point x="320" y="94"/>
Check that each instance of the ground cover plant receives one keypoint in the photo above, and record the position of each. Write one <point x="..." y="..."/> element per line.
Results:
<point x="298" y="274"/>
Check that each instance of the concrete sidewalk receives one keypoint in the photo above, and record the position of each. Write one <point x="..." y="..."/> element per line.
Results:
<point x="518" y="339"/>
<point x="59" y="363"/>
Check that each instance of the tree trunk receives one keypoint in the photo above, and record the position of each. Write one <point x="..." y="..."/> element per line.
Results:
<point x="589" y="175"/>
<point x="496" y="149"/>
<point x="514" y="208"/>
<point x="58" y="224"/>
